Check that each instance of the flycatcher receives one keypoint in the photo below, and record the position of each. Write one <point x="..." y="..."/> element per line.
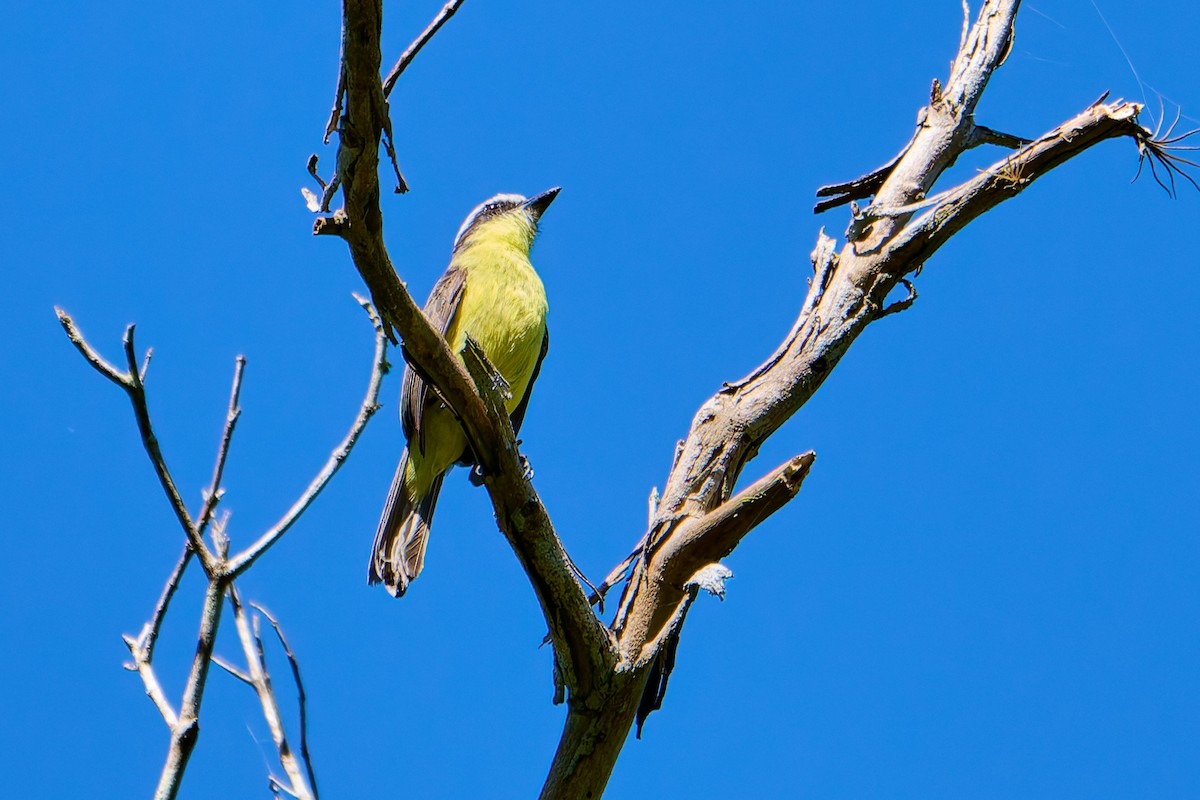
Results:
<point x="491" y="294"/>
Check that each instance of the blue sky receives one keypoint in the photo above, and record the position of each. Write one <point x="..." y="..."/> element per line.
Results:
<point x="988" y="587"/>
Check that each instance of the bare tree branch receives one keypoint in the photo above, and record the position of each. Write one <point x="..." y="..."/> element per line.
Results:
<point x="582" y="644"/>
<point x="131" y="382"/>
<point x="409" y="54"/>
<point x="302" y="698"/>
<point x="301" y="781"/>
<point x="920" y="238"/>
<point x="145" y="670"/>
<point x="335" y="114"/>
<point x="710" y="538"/>
<point x="231" y="418"/>
<point x="615" y="674"/>
<point x="694" y="522"/>
<point x="232" y="670"/>
<point x="186" y="729"/>
<point x="98" y="361"/>
<point x="149" y="635"/>
<point x="220" y="570"/>
<point x="242" y="561"/>
<point x="520" y="513"/>
<point x="612" y="676"/>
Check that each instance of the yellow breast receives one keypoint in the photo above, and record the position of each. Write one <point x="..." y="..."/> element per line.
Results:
<point x="504" y="310"/>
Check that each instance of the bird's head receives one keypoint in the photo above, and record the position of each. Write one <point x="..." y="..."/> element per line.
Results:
<point x="506" y="218"/>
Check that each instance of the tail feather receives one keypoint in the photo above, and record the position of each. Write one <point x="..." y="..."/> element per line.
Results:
<point x="400" y="541"/>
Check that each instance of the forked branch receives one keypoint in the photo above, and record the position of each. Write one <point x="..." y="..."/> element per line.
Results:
<point x="220" y="570"/>
<point x="132" y="382"/>
<point x="888" y="240"/>
<point x="699" y="518"/>
<point x="301" y="779"/>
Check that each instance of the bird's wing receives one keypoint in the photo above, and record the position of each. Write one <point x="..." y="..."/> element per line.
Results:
<point x="440" y="309"/>
<point x="518" y="415"/>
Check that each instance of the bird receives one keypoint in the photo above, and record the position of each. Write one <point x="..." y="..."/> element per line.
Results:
<point x="491" y="294"/>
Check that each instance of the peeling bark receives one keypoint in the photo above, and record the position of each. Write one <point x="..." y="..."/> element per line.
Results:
<point x="610" y="671"/>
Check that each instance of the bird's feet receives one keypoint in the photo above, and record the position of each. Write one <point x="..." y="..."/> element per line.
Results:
<point x="476" y="476"/>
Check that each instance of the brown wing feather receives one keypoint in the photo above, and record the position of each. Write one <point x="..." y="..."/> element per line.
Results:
<point x="440" y="309"/>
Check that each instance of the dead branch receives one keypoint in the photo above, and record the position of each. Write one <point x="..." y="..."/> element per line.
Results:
<point x="184" y="724"/>
<point x="231" y="417"/>
<point x="301" y="697"/>
<point x="605" y="672"/>
<point x="890" y="239"/>
<point x="238" y="564"/>
<point x="132" y="383"/>
<point x="580" y="639"/>
<point x="410" y="53"/>
<point x="301" y="780"/>
<point x="614" y="674"/>
<point x="186" y="729"/>
<point x="149" y="635"/>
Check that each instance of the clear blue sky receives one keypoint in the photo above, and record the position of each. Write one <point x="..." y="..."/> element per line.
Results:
<point x="988" y="587"/>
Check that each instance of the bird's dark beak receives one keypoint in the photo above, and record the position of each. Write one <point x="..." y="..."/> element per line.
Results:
<point x="537" y="205"/>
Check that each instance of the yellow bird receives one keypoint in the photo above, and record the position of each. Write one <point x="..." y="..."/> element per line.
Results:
<point x="491" y="294"/>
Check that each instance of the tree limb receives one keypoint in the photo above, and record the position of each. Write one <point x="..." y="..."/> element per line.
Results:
<point x="518" y="509"/>
<point x="891" y="239"/>
<point x="242" y="561"/>
<point x="710" y="538"/>
<point x="612" y="673"/>
<point x="131" y="382"/>
<point x="149" y="635"/>
<point x="231" y="417"/>
<point x="142" y="664"/>
<point x="301" y="780"/>
<point x="921" y="237"/>
<point x="410" y="53"/>
<point x="186" y="729"/>
<point x="302" y="698"/>
<point x="220" y="570"/>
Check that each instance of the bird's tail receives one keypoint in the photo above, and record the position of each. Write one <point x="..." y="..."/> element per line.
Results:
<point x="403" y="533"/>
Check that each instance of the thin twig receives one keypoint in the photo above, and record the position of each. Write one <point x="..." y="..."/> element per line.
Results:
<point x="232" y="670"/>
<point x="981" y="135"/>
<point x="154" y="690"/>
<point x="335" y="115"/>
<point x="94" y="358"/>
<point x="241" y="562"/>
<point x="231" y="418"/>
<point x="390" y="149"/>
<point x="149" y="635"/>
<point x="389" y="83"/>
<point x="260" y="679"/>
<point x="131" y="382"/>
<point x="277" y="786"/>
<point x="408" y="55"/>
<point x="302" y="697"/>
<point x="617" y="573"/>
